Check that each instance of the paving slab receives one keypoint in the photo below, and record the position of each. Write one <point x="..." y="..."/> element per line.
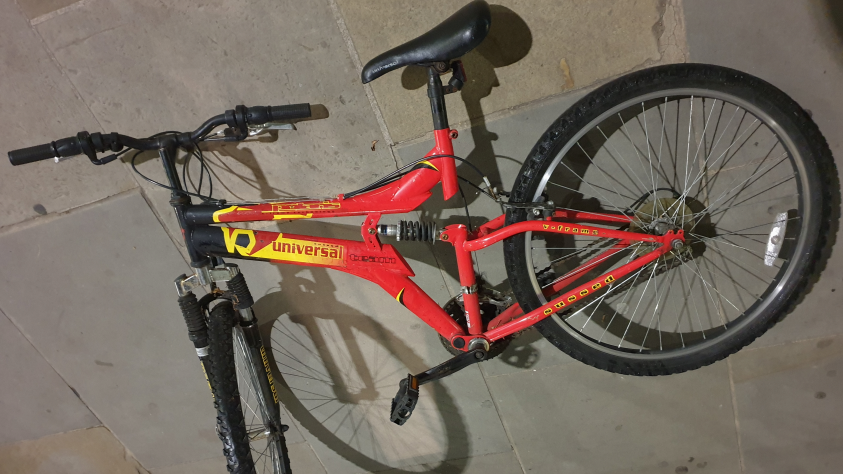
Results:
<point x="342" y="345"/>
<point x="501" y="463"/>
<point x="88" y="451"/>
<point x="575" y="418"/>
<point x="806" y="65"/>
<point x="37" y="8"/>
<point x="39" y="105"/>
<point x="41" y="406"/>
<point x="789" y="401"/>
<point x="143" y="68"/>
<point x="535" y="49"/>
<point x="93" y="291"/>
<point x="302" y="459"/>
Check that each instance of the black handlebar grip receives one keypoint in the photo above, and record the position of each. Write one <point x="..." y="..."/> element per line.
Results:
<point x="276" y="113"/>
<point x="288" y="112"/>
<point x="65" y="147"/>
<point x="33" y="154"/>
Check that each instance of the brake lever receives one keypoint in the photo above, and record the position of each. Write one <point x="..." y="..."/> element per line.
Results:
<point x="225" y="135"/>
<point x="232" y="135"/>
<point x="258" y="129"/>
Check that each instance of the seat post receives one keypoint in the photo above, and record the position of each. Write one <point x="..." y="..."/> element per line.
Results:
<point x="437" y="100"/>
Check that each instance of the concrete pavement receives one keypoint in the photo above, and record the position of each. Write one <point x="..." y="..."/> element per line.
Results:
<point x="91" y="333"/>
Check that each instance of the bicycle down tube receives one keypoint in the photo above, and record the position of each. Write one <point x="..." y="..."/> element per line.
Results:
<point x="383" y="265"/>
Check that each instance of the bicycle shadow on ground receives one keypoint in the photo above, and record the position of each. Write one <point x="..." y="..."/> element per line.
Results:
<point x="509" y="41"/>
<point x="338" y="368"/>
<point x="828" y="15"/>
<point x="519" y="353"/>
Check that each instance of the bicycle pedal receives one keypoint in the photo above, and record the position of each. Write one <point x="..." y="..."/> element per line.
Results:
<point x="405" y="400"/>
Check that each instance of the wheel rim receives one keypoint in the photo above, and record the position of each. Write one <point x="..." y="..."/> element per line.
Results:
<point x="264" y="442"/>
<point x="649" y="127"/>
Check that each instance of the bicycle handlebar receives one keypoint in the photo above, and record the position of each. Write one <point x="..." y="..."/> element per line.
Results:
<point x="90" y="144"/>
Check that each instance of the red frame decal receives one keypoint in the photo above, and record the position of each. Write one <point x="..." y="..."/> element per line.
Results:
<point x="384" y="266"/>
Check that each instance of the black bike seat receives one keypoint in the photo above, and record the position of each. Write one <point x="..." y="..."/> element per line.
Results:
<point x="457" y="35"/>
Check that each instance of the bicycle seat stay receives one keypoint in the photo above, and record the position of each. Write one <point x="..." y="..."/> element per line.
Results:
<point x="454" y="37"/>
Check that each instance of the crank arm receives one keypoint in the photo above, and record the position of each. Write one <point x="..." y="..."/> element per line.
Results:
<point x="408" y="389"/>
<point x="451" y="366"/>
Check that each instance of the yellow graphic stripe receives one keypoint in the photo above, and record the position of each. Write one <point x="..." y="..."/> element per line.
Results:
<point x="269" y="374"/>
<point x="425" y="164"/>
<point x="292" y="216"/>
<point x="209" y="382"/>
<point x="217" y="214"/>
<point x="400" y="297"/>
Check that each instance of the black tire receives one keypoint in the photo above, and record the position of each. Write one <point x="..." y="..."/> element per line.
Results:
<point x="820" y="222"/>
<point x="239" y="381"/>
<point x="222" y="377"/>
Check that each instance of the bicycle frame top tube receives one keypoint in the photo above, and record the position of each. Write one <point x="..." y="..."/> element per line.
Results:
<point x="401" y="196"/>
<point x="382" y="264"/>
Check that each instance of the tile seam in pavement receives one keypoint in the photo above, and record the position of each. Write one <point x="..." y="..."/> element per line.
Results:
<point x="355" y="59"/>
<point x="456" y="460"/>
<point x="528" y="106"/>
<point x="79" y="97"/>
<point x="678" y="12"/>
<point x="160" y="220"/>
<point x="55" y="434"/>
<point x="784" y="343"/>
<point x="358" y="65"/>
<point x="59" y="12"/>
<point x="60" y="67"/>
<point x="39" y="220"/>
<point x="540" y="369"/>
<point x="315" y="454"/>
<point x="26" y="336"/>
<point x="505" y="428"/>
<point x="161" y="468"/>
<point x="735" y="412"/>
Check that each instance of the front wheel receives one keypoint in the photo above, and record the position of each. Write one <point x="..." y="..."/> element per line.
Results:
<point x="724" y="156"/>
<point x="248" y="421"/>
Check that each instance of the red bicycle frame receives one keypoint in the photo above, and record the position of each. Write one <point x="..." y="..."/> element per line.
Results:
<point x="383" y="265"/>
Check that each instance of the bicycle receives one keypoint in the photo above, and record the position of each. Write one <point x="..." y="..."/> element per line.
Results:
<point x="621" y="198"/>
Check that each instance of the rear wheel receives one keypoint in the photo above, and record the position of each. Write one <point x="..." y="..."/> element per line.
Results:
<point x="722" y="155"/>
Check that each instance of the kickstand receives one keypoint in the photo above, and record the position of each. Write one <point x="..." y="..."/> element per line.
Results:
<point x="408" y="389"/>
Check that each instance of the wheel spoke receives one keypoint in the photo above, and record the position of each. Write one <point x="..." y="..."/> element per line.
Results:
<point x="740" y="170"/>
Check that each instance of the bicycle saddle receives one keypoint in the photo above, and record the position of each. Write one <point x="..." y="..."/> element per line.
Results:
<point x="457" y="35"/>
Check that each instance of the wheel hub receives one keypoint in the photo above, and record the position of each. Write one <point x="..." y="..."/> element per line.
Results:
<point x="658" y="216"/>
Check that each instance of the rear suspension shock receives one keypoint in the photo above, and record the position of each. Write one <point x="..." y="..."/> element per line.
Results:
<point x="410" y="230"/>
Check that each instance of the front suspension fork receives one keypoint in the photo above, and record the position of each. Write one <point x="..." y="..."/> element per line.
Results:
<point x="194" y="312"/>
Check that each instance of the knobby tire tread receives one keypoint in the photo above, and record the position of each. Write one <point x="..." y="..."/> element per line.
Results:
<point x="653" y="79"/>
<point x="231" y="427"/>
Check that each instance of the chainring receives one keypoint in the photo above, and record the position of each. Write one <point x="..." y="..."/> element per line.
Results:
<point x="491" y="304"/>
